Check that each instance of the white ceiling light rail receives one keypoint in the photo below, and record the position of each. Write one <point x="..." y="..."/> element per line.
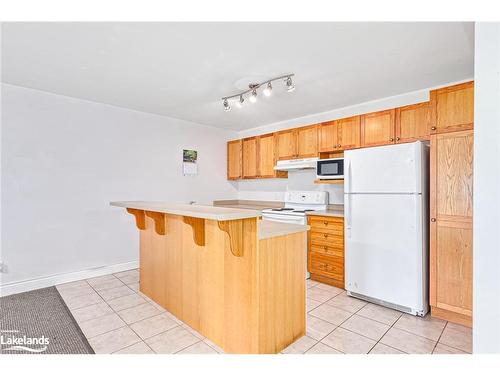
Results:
<point x="252" y="90"/>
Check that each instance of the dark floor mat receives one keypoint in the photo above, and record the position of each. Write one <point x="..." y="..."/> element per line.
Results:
<point x="39" y="322"/>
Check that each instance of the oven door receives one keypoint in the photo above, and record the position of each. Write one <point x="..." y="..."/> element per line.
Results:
<point x="291" y="219"/>
<point x="330" y="169"/>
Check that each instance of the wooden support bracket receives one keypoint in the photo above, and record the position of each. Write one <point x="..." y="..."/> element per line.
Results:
<point x="159" y="219"/>
<point x="140" y="220"/>
<point x="234" y="229"/>
<point x="198" y="226"/>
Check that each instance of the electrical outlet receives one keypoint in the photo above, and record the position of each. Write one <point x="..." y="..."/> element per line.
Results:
<point x="3" y="267"/>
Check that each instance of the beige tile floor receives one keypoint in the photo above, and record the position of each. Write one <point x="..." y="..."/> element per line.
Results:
<point x="116" y="318"/>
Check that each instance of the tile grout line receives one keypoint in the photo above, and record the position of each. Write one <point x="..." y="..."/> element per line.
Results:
<point x="439" y="338"/>
<point x="380" y="339"/>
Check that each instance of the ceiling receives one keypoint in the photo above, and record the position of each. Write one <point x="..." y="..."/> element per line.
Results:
<point x="182" y="70"/>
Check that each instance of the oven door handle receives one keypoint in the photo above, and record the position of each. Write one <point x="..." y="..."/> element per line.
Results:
<point x="281" y="218"/>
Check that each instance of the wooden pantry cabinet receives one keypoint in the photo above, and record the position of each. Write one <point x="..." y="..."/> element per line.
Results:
<point x="451" y="189"/>
<point x="378" y="128"/>
<point x="452" y="108"/>
<point x="339" y="135"/>
<point x="297" y="143"/>
<point x="234" y="160"/>
<point x="326" y="249"/>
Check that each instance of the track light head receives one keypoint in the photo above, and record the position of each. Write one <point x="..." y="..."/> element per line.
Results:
<point x="239" y="103"/>
<point x="253" y="96"/>
<point x="227" y="107"/>
<point x="289" y="84"/>
<point x="268" y="90"/>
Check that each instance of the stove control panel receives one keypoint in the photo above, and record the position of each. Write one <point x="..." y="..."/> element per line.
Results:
<point x="307" y="197"/>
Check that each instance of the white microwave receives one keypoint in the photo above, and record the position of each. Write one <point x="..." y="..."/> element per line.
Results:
<point x="330" y="169"/>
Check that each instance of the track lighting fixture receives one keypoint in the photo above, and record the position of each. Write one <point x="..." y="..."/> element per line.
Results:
<point x="252" y="91"/>
<point x="267" y="91"/>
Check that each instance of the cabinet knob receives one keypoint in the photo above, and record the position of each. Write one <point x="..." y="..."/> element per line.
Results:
<point x="325" y="248"/>
<point x="391" y="139"/>
<point x="325" y="222"/>
<point x="433" y="128"/>
<point x="339" y="146"/>
<point x="334" y="146"/>
<point x="433" y="219"/>
<point x="325" y="235"/>
<point x="397" y="138"/>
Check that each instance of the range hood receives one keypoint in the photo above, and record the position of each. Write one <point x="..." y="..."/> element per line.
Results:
<point x="295" y="164"/>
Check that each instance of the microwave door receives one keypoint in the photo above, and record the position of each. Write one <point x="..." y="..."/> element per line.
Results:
<point x="330" y="169"/>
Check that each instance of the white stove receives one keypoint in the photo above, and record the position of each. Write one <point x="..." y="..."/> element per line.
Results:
<point x="297" y="205"/>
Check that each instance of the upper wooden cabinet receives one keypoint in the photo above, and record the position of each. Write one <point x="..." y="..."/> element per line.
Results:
<point x="349" y="133"/>
<point x="286" y="144"/>
<point x="413" y="122"/>
<point x="452" y="108"/>
<point x="378" y="128"/>
<point x="451" y="177"/>
<point x="234" y="159"/>
<point x="266" y="156"/>
<point x="249" y="159"/>
<point x="328" y="136"/>
<point x="297" y="143"/>
<point x="307" y="141"/>
<point x="338" y="135"/>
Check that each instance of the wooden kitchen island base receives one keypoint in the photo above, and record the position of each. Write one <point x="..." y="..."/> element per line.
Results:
<point x="240" y="283"/>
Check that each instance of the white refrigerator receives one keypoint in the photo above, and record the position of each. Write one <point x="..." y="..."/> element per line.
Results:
<point x="386" y="225"/>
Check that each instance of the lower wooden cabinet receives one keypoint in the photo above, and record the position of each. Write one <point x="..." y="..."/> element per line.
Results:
<point x="451" y="226"/>
<point x="326" y="249"/>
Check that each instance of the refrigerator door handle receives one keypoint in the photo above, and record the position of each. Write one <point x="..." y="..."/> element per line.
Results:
<point x="348" y="200"/>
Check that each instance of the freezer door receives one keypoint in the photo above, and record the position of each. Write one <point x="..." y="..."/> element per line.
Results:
<point x="384" y="250"/>
<point x="387" y="169"/>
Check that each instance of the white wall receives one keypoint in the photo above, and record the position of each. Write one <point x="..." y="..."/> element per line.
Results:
<point x="304" y="180"/>
<point x="64" y="160"/>
<point x="487" y="189"/>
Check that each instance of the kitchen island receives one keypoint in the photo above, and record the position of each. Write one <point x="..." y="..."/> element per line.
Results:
<point x="234" y="278"/>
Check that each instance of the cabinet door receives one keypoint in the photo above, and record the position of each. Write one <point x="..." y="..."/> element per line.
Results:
<point x="250" y="157"/>
<point x="328" y="139"/>
<point x="286" y="143"/>
<point x="307" y="141"/>
<point x="377" y="128"/>
<point x="452" y="108"/>
<point x="234" y="160"/>
<point x="266" y="155"/>
<point x="413" y="122"/>
<point x="349" y="135"/>
<point x="451" y="226"/>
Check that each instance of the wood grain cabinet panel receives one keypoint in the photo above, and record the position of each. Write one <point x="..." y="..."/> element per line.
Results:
<point x="378" y="128"/>
<point x="349" y="133"/>
<point x="249" y="157"/>
<point x="328" y="139"/>
<point x="452" y="108"/>
<point x="234" y="159"/>
<point x="286" y="144"/>
<point x="451" y="226"/>
<point x="326" y="249"/>
<point x="413" y="122"/>
<point x="307" y="141"/>
<point x="266" y="153"/>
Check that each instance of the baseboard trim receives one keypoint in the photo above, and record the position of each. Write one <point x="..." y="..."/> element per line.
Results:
<point x="46" y="281"/>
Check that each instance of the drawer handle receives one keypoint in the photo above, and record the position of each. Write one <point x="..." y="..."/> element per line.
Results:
<point x="325" y="222"/>
<point x="433" y="128"/>
<point x="325" y="235"/>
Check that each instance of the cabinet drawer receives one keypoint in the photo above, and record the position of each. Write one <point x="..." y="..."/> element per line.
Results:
<point x="333" y="231"/>
<point x="337" y="252"/>
<point x="327" y="266"/>
<point x="328" y="239"/>
<point x="326" y="222"/>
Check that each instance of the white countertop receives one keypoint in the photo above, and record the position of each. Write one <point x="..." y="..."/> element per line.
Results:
<point x="269" y="229"/>
<point x="203" y="212"/>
